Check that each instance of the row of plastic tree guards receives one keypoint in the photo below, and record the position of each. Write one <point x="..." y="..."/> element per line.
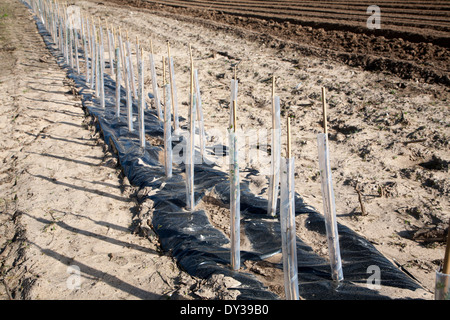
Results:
<point x="68" y="28"/>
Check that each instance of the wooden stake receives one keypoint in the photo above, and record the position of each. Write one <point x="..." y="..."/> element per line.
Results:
<point x="324" y="108"/>
<point x="363" y="208"/>
<point x="192" y="76"/>
<point x="164" y="71"/>
<point x="288" y="147"/>
<point x="273" y="87"/>
<point x="168" y="50"/>
<point x="164" y="86"/>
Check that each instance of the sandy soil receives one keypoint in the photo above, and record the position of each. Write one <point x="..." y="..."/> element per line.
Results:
<point x="389" y="136"/>
<point x="389" y="141"/>
<point x="67" y="228"/>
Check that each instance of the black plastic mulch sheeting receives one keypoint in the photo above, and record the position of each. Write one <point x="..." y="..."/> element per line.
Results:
<point x="199" y="247"/>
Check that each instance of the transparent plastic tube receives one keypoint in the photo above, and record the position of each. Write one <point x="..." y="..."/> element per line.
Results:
<point x="97" y="71"/>
<point x="141" y="102"/>
<point x="167" y="133"/>
<point x="138" y="59"/>
<point x="64" y="39"/>
<point x="155" y="88"/>
<point x="100" y="31"/>
<point x="199" y="110"/>
<point x="60" y="35"/>
<point x="102" y="76"/>
<point x="72" y="48"/>
<point x="94" y="44"/>
<point x="86" y="50"/>
<point x="93" y="62"/>
<point x="118" y="81"/>
<point x="189" y="160"/>
<point x="102" y="46"/>
<point x="129" y="98"/>
<point x="234" y="93"/>
<point x="123" y="56"/>
<point x="235" y="209"/>
<point x="110" y="50"/>
<point x="70" y="44"/>
<point x="54" y="34"/>
<point x="77" y="60"/>
<point x="329" y="208"/>
<point x="176" y="125"/>
<point x="442" y="286"/>
<point x="131" y="69"/>
<point x="288" y="232"/>
<point x="66" y="54"/>
<point x="274" y="178"/>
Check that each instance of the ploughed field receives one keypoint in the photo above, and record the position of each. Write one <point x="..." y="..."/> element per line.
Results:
<point x="427" y="18"/>
<point x="412" y="42"/>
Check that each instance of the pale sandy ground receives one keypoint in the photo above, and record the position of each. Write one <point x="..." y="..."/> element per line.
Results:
<point x="368" y="133"/>
<point x="66" y="211"/>
<point x="64" y="182"/>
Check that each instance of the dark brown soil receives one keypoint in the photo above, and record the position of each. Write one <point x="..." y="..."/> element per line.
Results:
<point x="413" y="42"/>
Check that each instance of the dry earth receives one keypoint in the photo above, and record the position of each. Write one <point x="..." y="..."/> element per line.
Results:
<point x="412" y="42"/>
<point x="389" y="135"/>
<point x="66" y="211"/>
<point x="389" y="140"/>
